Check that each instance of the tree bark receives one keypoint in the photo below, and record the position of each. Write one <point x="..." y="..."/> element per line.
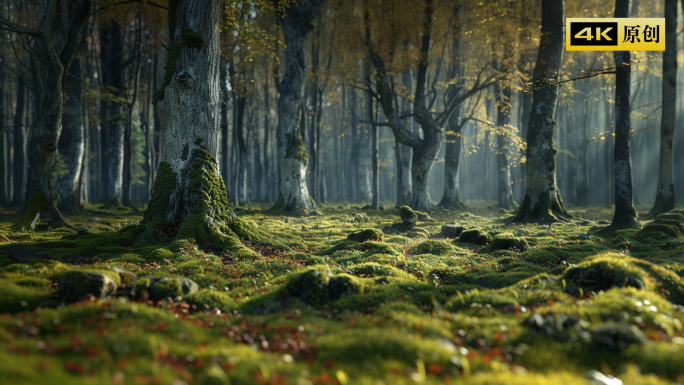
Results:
<point x="72" y="142"/>
<point x="4" y="148"/>
<point x="54" y="55"/>
<point x="452" y="157"/>
<point x="665" y="194"/>
<point x="542" y="202"/>
<point x="189" y="194"/>
<point x="19" y="159"/>
<point x="625" y="213"/>
<point x="503" y="174"/>
<point x="112" y="64"/>
<point x="294" y="194"/>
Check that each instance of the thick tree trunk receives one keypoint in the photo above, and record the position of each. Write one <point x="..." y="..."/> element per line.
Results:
<point x="72" y="142"/>
<point x="19" y="159"/>
<point x="583" y="160"/>
<point x="665" y="194"/>
<point x="625" y="214"/>
<point x="424" y="157"/>
<point x="189" y="190"/>
<point x="542" y="202"/>
<point x="294" y="195"/>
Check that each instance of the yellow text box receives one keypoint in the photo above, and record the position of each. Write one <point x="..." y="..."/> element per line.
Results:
<point x="615" y="34"/>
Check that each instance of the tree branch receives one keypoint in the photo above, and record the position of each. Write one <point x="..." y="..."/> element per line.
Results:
<point x="128" y="2"/>
<point x="7" y="25"/>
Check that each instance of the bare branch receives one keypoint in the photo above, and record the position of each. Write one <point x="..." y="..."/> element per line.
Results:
<point x="128" y="2"/>
<point x="7" y="25"/>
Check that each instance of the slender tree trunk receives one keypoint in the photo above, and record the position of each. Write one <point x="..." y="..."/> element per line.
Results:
<point x="542" y="202"/>
<point x="112" y="46"/>
<point x="71" y="142"/>
<point x="665" y="194"/>
<point x="241" y="197"/>
<point x="293" y="158"/>
<point x="4" y="148"/>
<point x="452" y="155"/>
<point x="527" y="97"/>
<point x="625" y="214"/>
<point x="503" y="102"/>
<point x="19" y="159"/>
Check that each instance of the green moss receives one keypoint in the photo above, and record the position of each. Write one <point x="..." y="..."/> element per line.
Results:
<point x="671" y="216"/>
<point x="605" y="271"/>
<point x="188" y="38"/>
<point x="408" y="216"/>
<point x="432" y="247"/>
<point x="316" y="285"/>
<point x="669" y="230"/>
<point x="365" y="235"/>
<point x="508" y="241"/>
<point x="38" y="202"/>
<point x="297" y="148"/>
<point x="16" y="297"/>
<point x="76" y="284"/>
<point x="159" y="255"/>
<point x="474" y="235"/>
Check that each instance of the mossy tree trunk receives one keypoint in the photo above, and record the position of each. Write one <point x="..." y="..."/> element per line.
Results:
<point x="55" y="46"/>
<point x="665" y="193"/>
<point x="542" y="201"/>
<point x="625" y="214"/>
<point x="189" y="191"/>
<point x="294" y="194"/>
<point x="71" y="143"/>
<point x="452" y="157"/>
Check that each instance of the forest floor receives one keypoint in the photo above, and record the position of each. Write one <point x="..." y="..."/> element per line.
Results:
<point x="524" y="304"/>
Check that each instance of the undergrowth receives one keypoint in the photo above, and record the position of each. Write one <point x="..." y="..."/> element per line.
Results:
<point x="333" y="299"/>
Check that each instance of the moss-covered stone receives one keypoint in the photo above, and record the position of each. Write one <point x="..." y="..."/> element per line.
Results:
<point x="508" y="241"/>
<point x="671" y="216"/>
<point x="366" y="235"/>
<point x="316" y="285"/>
<point x="616" y="336"/>
<point x="408" y="216"/>
<point x="452" y="230"/>
<point x="75" y="285"/>
<point x="397" y="228"/>
<point x="432" y="247"/>
<point x="474" y="235"/>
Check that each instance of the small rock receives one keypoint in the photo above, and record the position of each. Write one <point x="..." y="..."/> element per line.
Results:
<point x="162" y="287"/>
<point x="75" y="285"/>
<point x="584" y="237"/>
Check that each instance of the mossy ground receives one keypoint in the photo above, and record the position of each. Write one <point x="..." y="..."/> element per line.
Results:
<point x="403" y="309"/>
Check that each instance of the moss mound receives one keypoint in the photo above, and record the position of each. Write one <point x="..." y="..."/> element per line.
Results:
<point x="605" y="271"/>
<point x="408" y="216"/>
<point x="508" y="241"/>
<point x="474" y="235"/>
<point x="366" y="235"/>
<point x="316" y="285"/>
<point x="432" y="247"/>
<point x="662" y="228"/>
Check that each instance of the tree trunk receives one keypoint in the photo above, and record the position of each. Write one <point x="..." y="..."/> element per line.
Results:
<point x="241" y="197"/>
<point x="625" y="214"/>
<point x="51" y="72"/>
<point x="452" y="156"/>
<point x="72" y="142"/>
<point x="542" y="202"/>
<point x="294" y="195"/>
<point x="19" y="159"/>
<point x="665" y="194"/>
<point x="189" y="191"/>
<point x="112" y="64"/>
<point x="504" y="188"/>
<point x="4" y="148"/>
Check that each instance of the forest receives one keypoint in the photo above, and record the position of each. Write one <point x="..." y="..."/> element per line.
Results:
<point x="344" y="192"/>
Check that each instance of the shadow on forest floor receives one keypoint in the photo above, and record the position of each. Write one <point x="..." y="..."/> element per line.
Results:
<point x="496" y="304"/>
